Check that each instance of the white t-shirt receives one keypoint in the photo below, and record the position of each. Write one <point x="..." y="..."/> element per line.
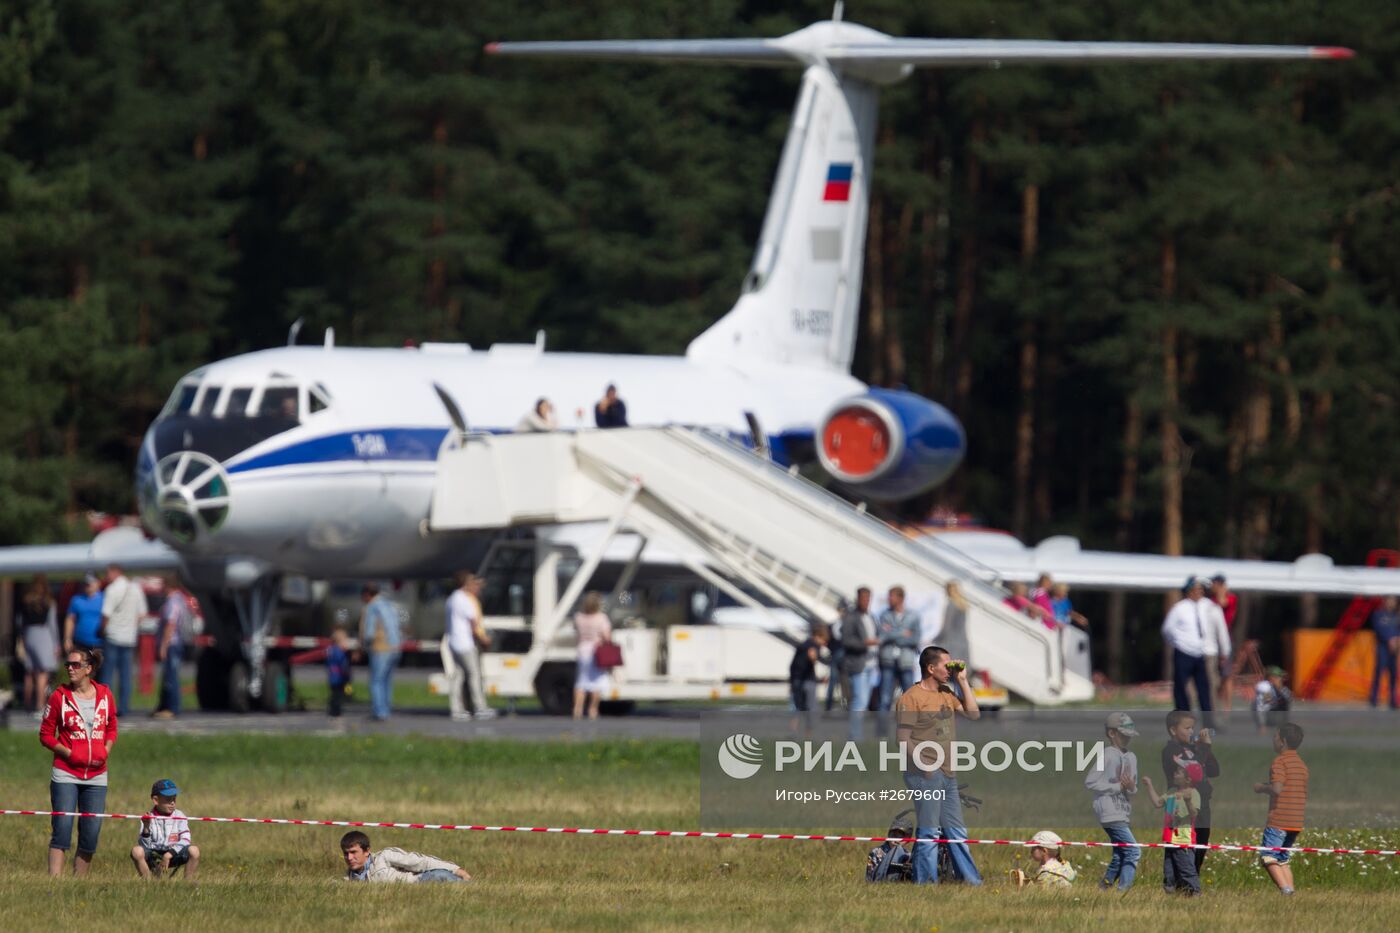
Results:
<point x="461" y="614"/>
<point x="123" y="605"/>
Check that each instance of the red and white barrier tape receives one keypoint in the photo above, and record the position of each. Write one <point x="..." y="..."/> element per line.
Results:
<point x="686" y="833"/>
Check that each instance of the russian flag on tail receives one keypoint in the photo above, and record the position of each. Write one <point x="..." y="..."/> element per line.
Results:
<point x="838" y="182"/>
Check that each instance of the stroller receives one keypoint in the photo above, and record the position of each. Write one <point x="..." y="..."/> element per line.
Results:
<point x="893" y="861"/>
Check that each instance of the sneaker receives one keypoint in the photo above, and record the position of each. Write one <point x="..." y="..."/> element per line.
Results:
<point x="487" y="713"/>
<point x="461" y="717"/>
<point x="162" y="714"/>
<point x="1285" y="890"/>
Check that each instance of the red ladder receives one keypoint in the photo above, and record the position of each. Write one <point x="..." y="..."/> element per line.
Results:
<point x="1352" y="620"/>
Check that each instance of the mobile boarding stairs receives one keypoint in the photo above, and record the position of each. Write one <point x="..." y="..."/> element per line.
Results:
<point x="759" y="528"/>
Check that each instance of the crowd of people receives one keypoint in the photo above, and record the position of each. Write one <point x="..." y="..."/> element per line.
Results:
<point x="928" y="715"/>
<point x="80" y="728"/>
<point x="104" y="614"/>
<point x="1047" y="602"/>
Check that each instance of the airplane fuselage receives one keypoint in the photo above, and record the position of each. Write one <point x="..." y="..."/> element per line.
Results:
<point x="321" y="460"/>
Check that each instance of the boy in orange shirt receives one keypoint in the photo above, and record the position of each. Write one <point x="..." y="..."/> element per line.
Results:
<point x="1288" y="797"/>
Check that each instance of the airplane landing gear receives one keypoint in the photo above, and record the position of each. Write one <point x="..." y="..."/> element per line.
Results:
<point x="234" y="672"/>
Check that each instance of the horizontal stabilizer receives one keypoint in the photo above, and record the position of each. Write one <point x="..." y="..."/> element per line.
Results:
<point x="954" y="52"/>
<point x="856" y="47"/>
<point x="718" y="51"/>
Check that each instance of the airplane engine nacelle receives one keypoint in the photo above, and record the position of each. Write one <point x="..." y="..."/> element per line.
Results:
<point x="890" y="444"/>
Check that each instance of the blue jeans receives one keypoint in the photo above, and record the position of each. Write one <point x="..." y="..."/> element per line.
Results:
<point x="1273" y="836"/>
<point x="381" y="682"/>
<point x="1385" y="664"/>
<point x="1122" y="864"/>
<point x="838" y="654"/>
<point x="939" y="819"/>
<point x="1179" y="871"/>
<point x="858" y="703"/>
<point x="889" y="676"/>
<point x="170" y="679"/>
<point x="117" y="659"/>
<point x="436" y="874"/>
<point x="76" y="798"/>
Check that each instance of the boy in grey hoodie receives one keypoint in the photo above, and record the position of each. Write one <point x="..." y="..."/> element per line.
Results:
<point x="1114" y="785"/>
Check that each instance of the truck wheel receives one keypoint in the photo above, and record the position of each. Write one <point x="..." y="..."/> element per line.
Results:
<point x="238" y="699"/>
<point x="554" y="685"/>
<point x="277" y="687"/>
<point x="211" y="680"/>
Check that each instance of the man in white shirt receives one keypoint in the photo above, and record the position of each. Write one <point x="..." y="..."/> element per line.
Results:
<point x="1217" y="645"/>
<point x="123" y="607"/>
<point x="464" y="630"/>
<point x="1184" y="631"/>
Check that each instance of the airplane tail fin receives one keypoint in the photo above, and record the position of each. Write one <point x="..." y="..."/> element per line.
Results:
<point x="801" y="296"/>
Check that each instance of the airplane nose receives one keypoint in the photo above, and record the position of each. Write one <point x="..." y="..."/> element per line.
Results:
<point x="185" y="496"/>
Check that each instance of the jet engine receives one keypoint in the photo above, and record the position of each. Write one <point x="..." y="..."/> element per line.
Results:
<point x="890" y="444"/>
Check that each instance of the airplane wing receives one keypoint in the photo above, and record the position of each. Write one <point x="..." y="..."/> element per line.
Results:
<point x="123" y="545"/>
<point x="1002" y="557"/>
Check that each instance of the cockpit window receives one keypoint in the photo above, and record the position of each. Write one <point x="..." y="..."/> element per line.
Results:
<point x="209" y="400"/>
<point x="318" y="399"/>
<point x="237" y="406"/>
<point x="279" y="402"/>
<point x="184" y="398"/>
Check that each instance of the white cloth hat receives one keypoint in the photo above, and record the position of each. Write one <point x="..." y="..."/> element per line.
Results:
<point x="1047" y="839"/>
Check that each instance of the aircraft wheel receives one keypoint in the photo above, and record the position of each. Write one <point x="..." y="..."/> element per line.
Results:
<point x="554" y="685"/>
<point x="277" y="687"/>
<point x="238" y="699"/>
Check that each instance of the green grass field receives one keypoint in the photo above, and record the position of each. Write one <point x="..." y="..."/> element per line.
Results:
<point x="264" y="877"/>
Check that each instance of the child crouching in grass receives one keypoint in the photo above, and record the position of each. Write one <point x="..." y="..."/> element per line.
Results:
<point x="164" y="843"/>
<point x="1051" y="871"/>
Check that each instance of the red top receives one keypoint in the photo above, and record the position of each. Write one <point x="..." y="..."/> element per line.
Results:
<point x="1230" y="606"/>
<point x="63" y="725"/>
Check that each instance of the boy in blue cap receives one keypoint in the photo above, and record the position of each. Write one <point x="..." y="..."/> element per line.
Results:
<point x="164" y="843"/>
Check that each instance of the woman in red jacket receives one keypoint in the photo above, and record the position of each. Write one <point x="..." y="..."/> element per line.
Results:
<point x="80" y="726"/>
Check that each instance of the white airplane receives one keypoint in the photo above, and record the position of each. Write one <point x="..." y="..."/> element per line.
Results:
<point x="321" y="460"/>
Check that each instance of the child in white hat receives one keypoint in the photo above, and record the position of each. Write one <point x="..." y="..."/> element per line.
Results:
<point x="1050" y="871"/>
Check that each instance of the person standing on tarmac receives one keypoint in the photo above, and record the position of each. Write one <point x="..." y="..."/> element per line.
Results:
<point x="858" y="638"/>
<point x="380" y="637"/>
<point x="898" y="630"/>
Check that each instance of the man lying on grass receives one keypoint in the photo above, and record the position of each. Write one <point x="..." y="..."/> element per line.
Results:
<point x="393" y="864"/>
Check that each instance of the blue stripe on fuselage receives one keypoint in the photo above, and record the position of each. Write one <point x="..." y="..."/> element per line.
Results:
<point x="421" y="444"/>
<point x="368" y="445"/>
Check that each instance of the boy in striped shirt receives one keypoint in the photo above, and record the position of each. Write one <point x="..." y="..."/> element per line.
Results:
<point x="164" y="843"/>
<point x="1288" y="796"/>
